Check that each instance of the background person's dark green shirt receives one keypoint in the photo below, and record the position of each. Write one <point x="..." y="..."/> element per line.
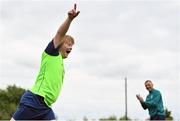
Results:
<point x="154" y="103"/>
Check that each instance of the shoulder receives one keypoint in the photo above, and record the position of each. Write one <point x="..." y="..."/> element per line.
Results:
<point x="155" y="91"/>
<point x="51" y="50"/>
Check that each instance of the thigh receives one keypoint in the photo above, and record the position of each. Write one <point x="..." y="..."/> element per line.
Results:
<point x="23" y="113"/>
<point x="33" y="107"/>
<point x="49" y="115"/>
<point x="29" y="113"/>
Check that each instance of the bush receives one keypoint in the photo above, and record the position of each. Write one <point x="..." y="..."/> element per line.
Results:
<point x="9" y="100"/>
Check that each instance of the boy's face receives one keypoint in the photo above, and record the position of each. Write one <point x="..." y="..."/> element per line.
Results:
<point x="66" y="48"/>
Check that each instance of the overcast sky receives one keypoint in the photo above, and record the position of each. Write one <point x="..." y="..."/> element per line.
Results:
<point x="113" y="40"/>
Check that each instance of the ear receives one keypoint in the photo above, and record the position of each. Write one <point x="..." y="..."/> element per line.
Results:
<point x="59" y="47"/>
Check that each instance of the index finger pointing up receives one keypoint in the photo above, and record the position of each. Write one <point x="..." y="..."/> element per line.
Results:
<point x="75" y="6"/>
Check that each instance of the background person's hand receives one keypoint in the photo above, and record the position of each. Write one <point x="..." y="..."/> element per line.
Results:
<point x="73" y="13"/>
<point x="139" y="98"/>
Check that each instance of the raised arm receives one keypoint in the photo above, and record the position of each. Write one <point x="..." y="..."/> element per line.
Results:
<point x="58" y="39"/>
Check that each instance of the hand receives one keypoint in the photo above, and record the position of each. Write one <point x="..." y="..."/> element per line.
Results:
<point x="73" y="13"/>
<point x="139" y="98"/>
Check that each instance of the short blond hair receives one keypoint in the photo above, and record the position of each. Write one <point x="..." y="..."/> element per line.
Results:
<point x="68" y="37"/>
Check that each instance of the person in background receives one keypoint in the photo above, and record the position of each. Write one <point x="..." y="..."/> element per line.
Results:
<point x="153" y="102"/>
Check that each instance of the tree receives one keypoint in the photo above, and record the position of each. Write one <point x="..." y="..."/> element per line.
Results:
<point x="110" y="118"/>
<point x="124" y="118"/>
<point x="85" y="118"/>
<point x="9" y="100"/>
<point x="168" y="114"/>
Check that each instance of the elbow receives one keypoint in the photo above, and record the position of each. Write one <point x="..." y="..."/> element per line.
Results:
<point x="144" y="108"/>
<point x="60" y="33"/>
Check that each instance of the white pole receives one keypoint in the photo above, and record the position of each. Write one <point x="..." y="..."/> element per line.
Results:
<point x="126" y="98"/>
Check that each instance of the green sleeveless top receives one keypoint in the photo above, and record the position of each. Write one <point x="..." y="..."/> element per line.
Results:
<point x="50" y="78"/>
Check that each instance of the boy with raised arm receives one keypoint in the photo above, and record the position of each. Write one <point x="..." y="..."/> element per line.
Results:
<point x="35" y="104"/>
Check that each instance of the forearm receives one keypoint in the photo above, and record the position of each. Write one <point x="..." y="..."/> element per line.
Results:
<point x="64" y="27"/>
<point x="62" y="31"/>
<point x="144" y="105"/>
<point x="149" y="104"/>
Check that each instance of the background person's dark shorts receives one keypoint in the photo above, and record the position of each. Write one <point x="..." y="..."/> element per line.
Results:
<point x="33" y="107"/>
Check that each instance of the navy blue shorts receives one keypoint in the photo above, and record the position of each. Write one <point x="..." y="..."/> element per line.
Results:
<point x="33" y="107"/>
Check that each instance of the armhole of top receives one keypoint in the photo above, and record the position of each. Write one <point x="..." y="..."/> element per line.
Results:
<point x="51" y="50"/>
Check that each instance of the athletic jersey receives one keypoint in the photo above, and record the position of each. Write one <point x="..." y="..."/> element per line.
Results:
<point x="50" y="78"/>
<point x="154" y="103"/>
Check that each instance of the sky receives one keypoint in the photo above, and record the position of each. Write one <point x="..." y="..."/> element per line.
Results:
<point x="114" y="39"/>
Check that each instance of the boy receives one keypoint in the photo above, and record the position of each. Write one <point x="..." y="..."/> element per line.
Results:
<point x="36" y="103"/>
